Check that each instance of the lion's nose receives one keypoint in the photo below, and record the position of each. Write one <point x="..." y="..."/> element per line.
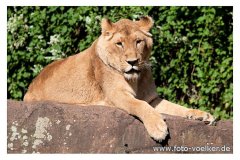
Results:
<point x="132" y="62"/>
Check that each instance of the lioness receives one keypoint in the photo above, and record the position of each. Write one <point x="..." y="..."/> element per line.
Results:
<point x="114" y="71"/>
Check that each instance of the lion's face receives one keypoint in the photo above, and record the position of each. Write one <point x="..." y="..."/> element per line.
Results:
<point x="126" y="46"/>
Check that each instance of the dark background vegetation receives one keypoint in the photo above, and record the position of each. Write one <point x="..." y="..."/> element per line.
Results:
<point x="191" y="59"/>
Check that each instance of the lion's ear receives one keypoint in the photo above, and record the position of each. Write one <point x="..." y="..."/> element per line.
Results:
<point x="107" y="27"/>
<point x="145" y="23"/>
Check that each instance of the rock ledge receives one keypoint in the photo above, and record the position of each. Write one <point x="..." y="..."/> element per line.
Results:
<point x="46" y="127"/>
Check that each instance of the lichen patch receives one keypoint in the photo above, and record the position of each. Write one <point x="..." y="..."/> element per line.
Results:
<point x="41" y="125"/>
<point x="49" y="137"/>
<point x="41" y="132"/>
<point x="58" y="121"/>
<point x="68" y="127"/>
<point x="10" y="146"/>
<point x="25" y="137"/>
<point x="15" y="135"/>
<point x="15" y="123"/>
<point x="24" y="131"/>
<point x="24" y="151"/>
<point x="25" y="143"/>
<point x="14" y="129"/>
<point x="36" y="143"/>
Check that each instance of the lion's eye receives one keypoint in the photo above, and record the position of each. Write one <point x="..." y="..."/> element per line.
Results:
<point x="119" y="44"/>
<point x="138" y="41"/>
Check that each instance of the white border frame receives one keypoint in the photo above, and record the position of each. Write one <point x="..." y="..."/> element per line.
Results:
<point x="3" y="71"/>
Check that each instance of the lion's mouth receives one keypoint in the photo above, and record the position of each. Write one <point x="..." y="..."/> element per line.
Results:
<point x="132" y="71"/>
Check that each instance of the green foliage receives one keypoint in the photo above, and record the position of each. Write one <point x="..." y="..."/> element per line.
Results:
<point x="191" y="60"/>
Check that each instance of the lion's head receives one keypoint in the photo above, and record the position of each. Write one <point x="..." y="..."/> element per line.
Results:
<point x="126" y="45"/>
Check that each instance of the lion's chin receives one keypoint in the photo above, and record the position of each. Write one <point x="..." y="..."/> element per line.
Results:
<point x="131" y="76"/>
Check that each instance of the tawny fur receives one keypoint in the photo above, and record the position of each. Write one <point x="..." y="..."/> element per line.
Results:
<point x="114" y="71"/>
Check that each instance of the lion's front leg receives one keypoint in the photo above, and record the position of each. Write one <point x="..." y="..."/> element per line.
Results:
<point x="152" y="120"/>
<point x="164" y="106"/>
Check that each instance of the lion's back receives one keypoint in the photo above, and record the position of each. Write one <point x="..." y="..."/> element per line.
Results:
<point x="66" y="81"/>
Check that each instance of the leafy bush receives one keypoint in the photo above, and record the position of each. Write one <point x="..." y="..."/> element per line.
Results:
<point x="191" y="59"/>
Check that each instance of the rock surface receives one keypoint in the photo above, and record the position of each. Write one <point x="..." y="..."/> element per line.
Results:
<point x="46" y="127"/>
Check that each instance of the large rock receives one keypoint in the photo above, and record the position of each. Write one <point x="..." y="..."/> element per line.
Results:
<point x="46" y="127"/>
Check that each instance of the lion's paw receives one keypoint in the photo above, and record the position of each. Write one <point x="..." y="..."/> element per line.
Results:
<point x="201" y="115"/>
<point x="156" y="127"/>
